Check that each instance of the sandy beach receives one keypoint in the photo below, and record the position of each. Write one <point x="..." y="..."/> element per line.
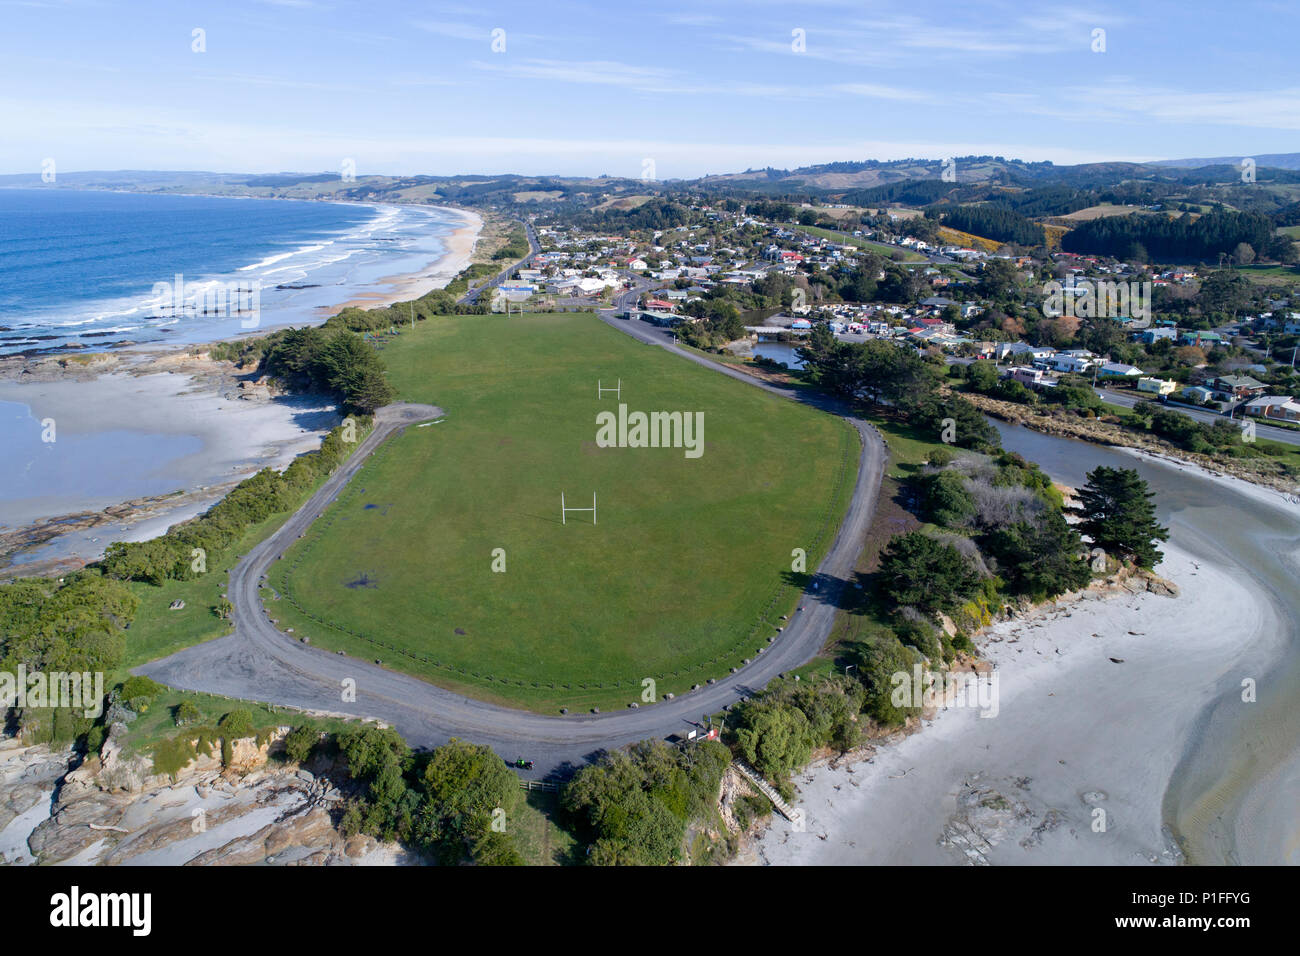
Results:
<point x="1076" y="732"/>
<point x="1121" y="736"/>
<point x="155" y="435"/>
<point x="123" y="436"/>
<point x="403" y="288"/>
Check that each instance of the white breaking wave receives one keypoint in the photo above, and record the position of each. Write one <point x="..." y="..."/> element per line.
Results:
<point x="395" y="233"/>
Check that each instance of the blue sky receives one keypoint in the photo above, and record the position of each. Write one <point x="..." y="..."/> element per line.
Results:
<point x="591" y="88"/>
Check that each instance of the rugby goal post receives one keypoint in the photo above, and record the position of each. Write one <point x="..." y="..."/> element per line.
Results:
<point x="564" y="510"/>
<point x="617" y="390"/>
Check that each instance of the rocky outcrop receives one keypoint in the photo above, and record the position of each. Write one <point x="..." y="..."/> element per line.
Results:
<point x="256" y="390"/>
<point x="113" y="809"/>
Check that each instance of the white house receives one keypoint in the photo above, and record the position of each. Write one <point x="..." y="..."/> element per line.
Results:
<point x="1069" y="363"/>
<point x="1118" y="370"/>
<point x="1157" y="386"/>
<point x="1025" y="375"/>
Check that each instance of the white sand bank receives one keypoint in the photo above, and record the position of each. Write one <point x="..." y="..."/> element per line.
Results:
<point x="1075" y="732"/>
<point x="122" y="437"/>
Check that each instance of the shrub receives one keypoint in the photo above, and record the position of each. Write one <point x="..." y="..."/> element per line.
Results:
<point x="237" y="723"/>
<point x="945" y="498"/>
<point x="136" y="687"/>
<point x="880" y="661"/>
<point x="185" y="713"/>
<point x="301" y="742"/>
<point x="939" y="457"/>
<point x="95" y="739"/>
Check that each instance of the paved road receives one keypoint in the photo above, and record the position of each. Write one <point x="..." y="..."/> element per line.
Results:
<point x="258" y="662"/>
<point x="534" y="247"/>
<point x="1129" y="399"/>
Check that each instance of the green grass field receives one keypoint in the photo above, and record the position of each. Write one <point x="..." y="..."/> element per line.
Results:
<point x="685" y="574"/>
<point x="1270" y="274"/>
<point x="848" y="239"/>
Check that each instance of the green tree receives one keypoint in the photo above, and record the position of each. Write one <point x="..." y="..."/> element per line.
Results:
<point x="378" y="759"/>
<point x="918" y="571"/>
<point x="1116" y="512"/>
<point x="878" y="664"/>
<point x="300" y="743"/>
<point x="945" y="498"/>
<point x="464" y="786"/>
<point x="983" y="375"/>
<point x="1039" y="559"/>
<point x="626" y="826"/>
<point x="775" y="737"/>
<point x="1000" y="279"/>
<point x="1224" y="291"/>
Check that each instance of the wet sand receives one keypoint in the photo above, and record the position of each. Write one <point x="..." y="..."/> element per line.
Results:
<point x="1074" y="732"/>
<point x="120" y="437"/>
<point x="142" y="430"/>
<point x="1162" y="743"/>
<point x="403" y="288"/>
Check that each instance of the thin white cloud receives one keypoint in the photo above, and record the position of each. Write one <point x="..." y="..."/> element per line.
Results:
<point x="598" y="72"/>
<point x="879" y="91"/>
<point x="457" y="31"/>
<point x="137" y="138"/>
<point x="649" y="80"/>
<point x="1268" y="109"/>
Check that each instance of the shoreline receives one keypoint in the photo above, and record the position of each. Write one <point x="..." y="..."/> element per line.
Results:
<point x="435" y="275"/>
<point x="148" y="405"/>
<point x="456" y="254"/>
<point x="1024" y="787"/>
<point x="1159" y="734"/>
<point x="1151" y="446"/>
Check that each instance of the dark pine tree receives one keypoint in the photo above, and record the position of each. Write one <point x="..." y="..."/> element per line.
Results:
<point x="1117" y="514"/>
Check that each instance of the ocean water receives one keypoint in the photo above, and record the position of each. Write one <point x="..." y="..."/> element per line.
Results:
<point x="89" y="270"/>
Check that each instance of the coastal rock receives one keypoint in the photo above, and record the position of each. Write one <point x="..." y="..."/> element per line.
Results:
<point x="254" y="391"/>
<point x="18" y="799"/>
<point x="1159" y="585"/>
<point x="310" y="829"/>
<point x="734" y="787"/>
<point x="247" y="755"/>
<point x="118" y="772"/>
<point x="72" y="828"/>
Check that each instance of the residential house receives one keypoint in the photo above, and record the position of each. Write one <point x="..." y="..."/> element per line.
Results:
<point x="1157" y="386"/>
<point x="1198" y="394"/>
<point x="1282" y="407"/>
<point x="1025" y="375"/>
<point x="1201" y="339"/>
<point x="1118" y="370"/>
<point x="1023" y="350"/>
<point x="1069" y="363"/>
<point x="1231" y="387"/>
